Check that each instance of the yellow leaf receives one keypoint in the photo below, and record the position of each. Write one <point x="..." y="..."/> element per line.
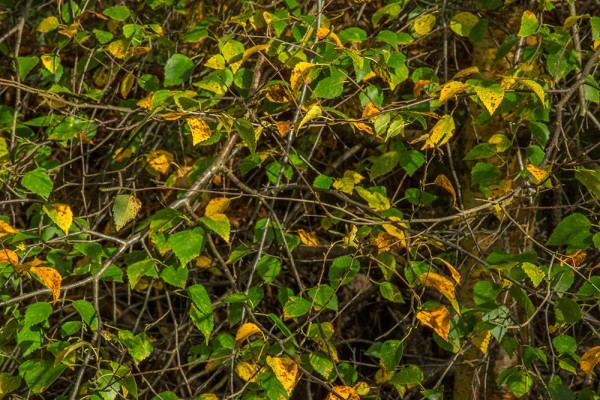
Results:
<point x="535" y="88"/>
<point x="51" y="62"/>
<point x="283" y="127"/>
<point x="451" y="89"/>
<point x="346" y="184"/>
<point x="248" y="371"/>
<point x="200" y="130"/>
<point x="61" y="215"/>
<point x="491" y="97"/>
<point x="207" y="396"/>
<point x="118" y="49"/>
<point x="312" y="113"/>
<point x="277" y="94"/>
<point x="126" y="85"/>
<point x="482" y="340"/>
<point x="453" y="271"/>
<point x="50" y="278"/>
<point x="6" y="229"/>
<point x="350" y="238"/>
<point x="383" y="376"/>
<point x="363" y="127"/>
<point x="216" y="206"/>
<point x="204" y="262"/>
<point x="172" y="116"/>
<point x="385" y="242"/>
<point x="419" y="85"/>
<point x="529" y="23"/>
<point x="309" y="239"/>
<point x="322" y="33"/>
<point x="589" y="360"/>
<point x="466" y="72"/>
<point x="370" y="109"/>
<point x="9" y="256"/>
<point x="438" y="319"/>
<point x="424" y="24"/>
<point x="286" y="372"/>
<point x="160" y="161"/>
<point x="125" y="209"/>
<point x="300" y="74"/>
<point x="500" y="141"/>
<point x="48" y="24"/>
<point x="463" y="22"/>
<point x="539" y="174"/>
<point x="245" y="331"/>
<point x="216" y="62"/>
<point x="138" y="51"/>
<point x="146" y="102"/>
<point x="443" y="182"/>
<point x="440" y="133"/>
<point x="444" y="285"/>
<point x="346" y="392"/>
<point x="70" y="30"/>
<point x="361" y="388"/>
<point x="254" y="49"/>
<point x="120" y="155"/>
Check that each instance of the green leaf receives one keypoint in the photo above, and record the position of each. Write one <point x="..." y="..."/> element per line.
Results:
<point x="529" y="24"/>
<point x="37" y="313"/>
<point x="519" y="383"/>
<point x="118" y="13"/>
<point x="342" y="270"/>
<point x="219" y="224"/>
<point x="187" y="245"/>
<point x="408" y="375"/>
<point x="389" y="12"/>
<point x="201" y="311"/>
<point x="125" y="209"/>
<point x="87" y="312"/>
<point x="138" y="346"/>
<point x="540" y="132"/>
<point x="565" y="344"/>
<point x="573" y="227"/>
<point x="462" y="23"/>
<point x="533" y="272"/>
<point x="38" y="182"/>
<point x="590" y="179"/>
<point x="177" y="70"/>
<point x="567" y="311"/>
<point x="329" y="88"/>
<point x="390" y="292"/>
<point x="139" y="269"/>
<point x="168" y="395"/>
<point x="26" y="64"/>
<point x="48" y="24"/>
<point x="322" y="363"/>
<point x="353" y="34"/>
<point x="376" y="201"/>
<point x="411" y="161"/>
<point x="419" y="197"/>
<point x="176" y="276"/>
<point x="40" y="374"/>
<point x="322" y="182"/>
<point x="384" y="163"/>
<point x="391" y="353"/>
<point x="482" y="150"/>
<point x="296" y="307"/>
<point x="9" y="383"/>
<point x="232" y="51"/>
<point x="246" y="132"/>
<point x="164" y="219"/>
<point x="323" y="296"/>
<point x="268" y="268"/>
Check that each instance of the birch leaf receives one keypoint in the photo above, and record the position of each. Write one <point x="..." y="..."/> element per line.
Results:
<point x="50" y="278"/>
<point x="440" y="133"/>
<point x="61" y="215"/>
<point x="200" y="130"/>
<point x="437" y="319"/>
<point x="286" y="372"/>
<point x="125" y="209"/>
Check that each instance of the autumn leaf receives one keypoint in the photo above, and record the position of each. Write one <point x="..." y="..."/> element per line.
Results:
<point x="160" y="161"/>
<point x="216" y="206"/>
<point x="200" y="130"/>
<point x="370" y="109"/>
<point x="440" y="283"/>
<point x="346" y="392"/>
<point x="215" y="218"/>
<point x="312" y="113"/>
<point x="491" y="96"/>
<point x="539" y="174"/>
<point x="50" y="278"/>
<point x="535" y="88"/>
<point x="451" y="89"/>
<point x="125" y="209"/>
<point x="482" y="340"/>
<point x="146" y="102"/>
<point x="361" y="126"/>
<point x="424" y="24"/>
<point x="61" y="215"/>
<point x="322" y="33"/>
<point x="126" y="85"/>
<point x="346" y="184"/>
<point x="248" y="371"/>
<point x="589" y="360"/>
<point x="440" y="133"/>
<point x="9" y="256"/>
<point x="308" y="239"/>
<point x="286" y="372"/>
<point x="6" y="229"/>
<point x="245" y="331"/>
<point x="283" y="127"/>
<point x="438" y="319"/>
<point x="300" y="74"/>
<point x="466" y="72"/>
<point x="453" y="271"/>
<point x="443" y="182"/>
<point x="574" y="260"/>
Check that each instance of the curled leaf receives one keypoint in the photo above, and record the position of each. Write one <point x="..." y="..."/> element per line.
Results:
<point x="443" y="182"/>
<point x="438" y="319"/>
<point x="245" y="331"/>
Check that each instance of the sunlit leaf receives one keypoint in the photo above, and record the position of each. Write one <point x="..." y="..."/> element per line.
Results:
<point x="61" y="215"/>
<point x="215" y="218"/>
<point x="444" y="285"/>
<point x="438" y="319"/>
<point x="529" y="24"/>
<point x="50" y="278"/>
<point x="451" y="89"/>
<point x="248" y="371"/>
<point x="125" y="209"/>
<point x="323" y="33"/>
<point x="375" y="200"/>
<point x="286" y="371"/>
<point x="48" y="24"/>
<point x="160" y="161"/>
<point x="6" y="229"/>
<point x="490" y="95"/>
<point x="9" y="256"/>
<point x="347" y="183"/>
<point x="312" y="113"/>
<point x="440" y="133"/>
<point x="539" y="174"/>
<point x="300" y="74"/>
<point x="453" y="271"/>
<point x="535" y="88"/>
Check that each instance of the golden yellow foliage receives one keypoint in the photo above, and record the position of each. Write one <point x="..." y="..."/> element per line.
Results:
<point x="590" y="359"/>
<point x="200" y="130"/>
<point x="438" y="319"/>
<point x="160" y="161"/>
<point x="50" y="278"/>
<point x="444" y="285"/>
<point x="300" y="74"/>
<point x="285" y="370"/>
<point x="451" y="89"/>
<point x="61" y="215"/>
<point x="9" y="256"/>
<point x="245" y="331"/>
<point x="6" y="229"/>
<point x="309" y="239"/>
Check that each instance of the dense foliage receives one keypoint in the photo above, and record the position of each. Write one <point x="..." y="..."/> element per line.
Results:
<point x="311" y="200"/>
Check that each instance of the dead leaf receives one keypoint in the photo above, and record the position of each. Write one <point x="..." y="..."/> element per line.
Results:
<point x="438" y="319"/>
<point x="443" y="182"/>
<point x="370" y="109"/>
<point x="146" y="102"/>
<point x="283" y="127"/>
<point x="308" y="239"/>
<point x="286" y="372"/>
<point x="245" y="331"/>
<point x="50" y="278"/>
<point x="200" y="130"/>
<point x="574" y="260"/>
<point x="589" y="360"/>
<point x="160" y="161"/>
<point x="9" y="256"/>
<point x="346" y="392"/>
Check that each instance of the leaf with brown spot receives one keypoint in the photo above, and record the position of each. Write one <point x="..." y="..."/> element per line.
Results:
<point x="200" y="130"/>
<point x="346" y="392"/>
<point x="539" y="174"/>
<point x="50" y="278"/>
<point x="443" y="182"/>
<point x="160" y="161"/>
<point x="438" y="319"/>
<point x="285" y="370"/>
<point x="61" y="215"/>
<point x="444" y="285"/>
<point x="440" y="133"/>
<point x="300" y="75"/>
<point x="491" y="96"/>
<point x="451" y="89"/>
